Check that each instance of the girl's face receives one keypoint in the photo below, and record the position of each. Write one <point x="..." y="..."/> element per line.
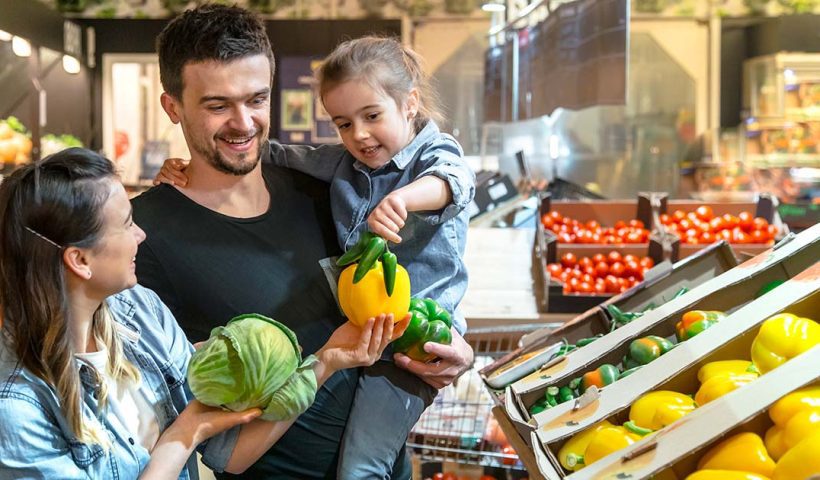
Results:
<point x="372" y="126"/>
<point x="111" y="261"/>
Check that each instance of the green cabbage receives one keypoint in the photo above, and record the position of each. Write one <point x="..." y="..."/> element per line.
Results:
<point x="253" y="361"/>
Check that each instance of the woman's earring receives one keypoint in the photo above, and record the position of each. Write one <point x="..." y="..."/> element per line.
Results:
<point x="88" y="275"/>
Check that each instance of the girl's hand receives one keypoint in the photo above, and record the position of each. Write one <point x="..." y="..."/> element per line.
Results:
<point x="173" y="172"/>
<point x="351" y="346"/>
<point x="199" y="422"/>
<point x="388" y="217"/>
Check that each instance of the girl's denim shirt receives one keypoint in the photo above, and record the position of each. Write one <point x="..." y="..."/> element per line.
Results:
<point x="35" y="438"/>
<point x="433" y="243"/>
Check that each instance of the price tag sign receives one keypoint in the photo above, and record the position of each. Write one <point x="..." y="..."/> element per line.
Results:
<point x="73" y="39"/>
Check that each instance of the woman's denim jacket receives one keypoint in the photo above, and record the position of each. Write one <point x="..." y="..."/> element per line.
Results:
<point x="35" y="438"/>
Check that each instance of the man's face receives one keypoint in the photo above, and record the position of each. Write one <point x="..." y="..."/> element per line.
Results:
<point x="225" y="111"/>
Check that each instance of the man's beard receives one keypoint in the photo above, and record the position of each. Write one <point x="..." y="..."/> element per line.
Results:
<point x="239" y="168"/>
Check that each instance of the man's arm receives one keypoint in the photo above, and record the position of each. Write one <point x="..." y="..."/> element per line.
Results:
<point x="318" y="162"/>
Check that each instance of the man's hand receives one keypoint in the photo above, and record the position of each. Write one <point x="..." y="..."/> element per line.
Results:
<point x="388" y="217"/>
<point x="456" y="358"/>
<point x="173" y="172"/>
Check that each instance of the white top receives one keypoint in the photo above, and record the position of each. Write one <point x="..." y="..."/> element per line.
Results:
<point x="127" y="402"/>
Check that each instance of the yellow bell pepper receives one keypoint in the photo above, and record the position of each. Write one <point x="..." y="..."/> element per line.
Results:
<point x="571" y="453"/>
<point x="782" y="337"/>
<point x="801" y="461"/>
<point x="725" y="475"/>
<point x="738" y="367"/>
<point x="744" y="452"/>
<point x="780" y="438"/>
<point x="721" y="384"/>
<point x="656" y="410"/>
<point x="608" y="440"/>
<point x="368" y="298"/>
<point x="795" y="416"/>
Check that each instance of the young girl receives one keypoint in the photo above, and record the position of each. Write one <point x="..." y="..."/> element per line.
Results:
<point x="396" y="174"/>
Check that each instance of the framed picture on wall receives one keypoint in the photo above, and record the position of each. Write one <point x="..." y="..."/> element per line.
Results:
<point x="297" y="109"/>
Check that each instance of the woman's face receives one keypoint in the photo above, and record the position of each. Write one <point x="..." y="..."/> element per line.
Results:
<point x="112" y="260"/>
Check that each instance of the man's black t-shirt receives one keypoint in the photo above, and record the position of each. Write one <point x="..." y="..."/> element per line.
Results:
<point x="208" y="268"/>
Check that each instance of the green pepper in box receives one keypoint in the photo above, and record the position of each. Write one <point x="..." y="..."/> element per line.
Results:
<point x="600" y="377"/>
<point x="428" y="323"/>
<point x="696" y="321"/>
<point x="646" y="349"/>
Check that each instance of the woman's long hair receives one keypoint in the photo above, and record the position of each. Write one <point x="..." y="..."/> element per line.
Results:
<point x="44" y="208"/>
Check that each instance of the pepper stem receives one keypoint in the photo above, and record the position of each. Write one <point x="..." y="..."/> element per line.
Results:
<point x="573" y="460"/>
<point x="630" y="425"/>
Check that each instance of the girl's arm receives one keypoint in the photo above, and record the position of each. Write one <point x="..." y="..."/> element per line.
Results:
<point x="427" y="193"/>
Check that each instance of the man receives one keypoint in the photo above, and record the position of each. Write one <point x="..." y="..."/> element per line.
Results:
<point x="244" y="236"/>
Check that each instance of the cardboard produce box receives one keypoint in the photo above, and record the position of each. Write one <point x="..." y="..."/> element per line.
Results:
<point x="683" y="443"/>
<point x="726" y="292"/>
<point x="730" y="339"/>
<point x="661" y="284"/>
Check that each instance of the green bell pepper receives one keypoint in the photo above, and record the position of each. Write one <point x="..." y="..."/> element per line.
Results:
<point x="695" y="322"/>
<point x="428" y="323"/>
<point x="600" y="377"/>
<point x="644" y="350"/>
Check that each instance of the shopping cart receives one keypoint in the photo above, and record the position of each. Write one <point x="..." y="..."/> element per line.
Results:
<point x="459" y="426"/>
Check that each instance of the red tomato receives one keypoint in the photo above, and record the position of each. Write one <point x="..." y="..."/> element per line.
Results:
<point x="612" y="285"/>
<point x="574" y="282"/>
<point x="584" y="262"/>
<point x="725" y="234"/>
<point x="617" y="269"/>
<point x="590" y="279"/>
<point x="633" y="237"/>
<point x="758" y="236"/>
<point x="555" y="269"/>
<point x="565" y="237"/>
<point x="569" y="260"/>
<point x="685" y="224"/>
<point x="705" y="213"/>
<point x="759" y="223"/>
<point x="598" y="258"/>
<point x="614" y="256"/>
<point x="630" y="258"/>
<point x="731" y="221"/>
<point x="620" y="224"/>
<point x="707" y="238"/>
<point x="717" y="224"/>
<point x="547" y="221"/>
<point x="647" y="262"/>
<point x="771" y="231"/>
<point x="508" y="450"/>
<point x="556" y="217"/>
<point x="600" y="288"/>
<point x="611" y="240"/>
<point x="665" y="219"/>
<point x="635" y="223"/>
<point x="745" y="221"/>
<point x="567" y="289"/>
<point x="678" y="215"/>
<point x="438" y="476"/>
<point x="602" y="269"/>
<point x="586" y="287"/>
<point x="593" y="225"/>
<point x="450" y="476"/>
<point x="591" y="271"/>
<point x="632" y="268"/>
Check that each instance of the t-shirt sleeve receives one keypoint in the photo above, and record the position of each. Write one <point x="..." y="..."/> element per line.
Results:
<point x="318" y="162"/>
<point x="444" y="159"/>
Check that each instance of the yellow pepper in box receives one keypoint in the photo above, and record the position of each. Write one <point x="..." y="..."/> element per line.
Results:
<point x="782" y="337"/>
<point x="656" y="410"/>
<point x="368" y="298"/>
<point x="720" y="385"/>
<point x="608" y="440"/>
<point x="744" y="452"/>
<point x="725" y="475"/>
<point x="795" y="416"/>
<point x="738" y="367"/>
<point x="801" y="461"/>
<point x="571" y="453"/>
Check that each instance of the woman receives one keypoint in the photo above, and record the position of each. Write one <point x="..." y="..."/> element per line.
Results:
<point x="93" y="366"/>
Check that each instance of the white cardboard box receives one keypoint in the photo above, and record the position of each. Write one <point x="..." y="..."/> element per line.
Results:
<point x="677" y="371"/>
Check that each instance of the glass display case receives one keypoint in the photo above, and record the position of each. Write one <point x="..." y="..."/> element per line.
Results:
<point x="782" y="127"/>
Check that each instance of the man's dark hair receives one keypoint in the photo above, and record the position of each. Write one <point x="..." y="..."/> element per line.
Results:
<point x="209" y="32"/>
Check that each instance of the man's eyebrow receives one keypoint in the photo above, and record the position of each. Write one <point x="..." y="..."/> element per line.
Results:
<point x="129" y="216"/>
<point x="223" y="98"/>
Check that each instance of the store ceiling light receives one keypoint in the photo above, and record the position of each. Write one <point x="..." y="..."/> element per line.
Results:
<point x="71" y="65"/>
<point x="5" y="36"/>
<point x="493" y="7"/>
<point x="20" y="47"/>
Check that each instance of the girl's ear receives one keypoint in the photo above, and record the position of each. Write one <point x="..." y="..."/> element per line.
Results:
<point x="411" y="105"/>
<point x="76" y="262"/>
